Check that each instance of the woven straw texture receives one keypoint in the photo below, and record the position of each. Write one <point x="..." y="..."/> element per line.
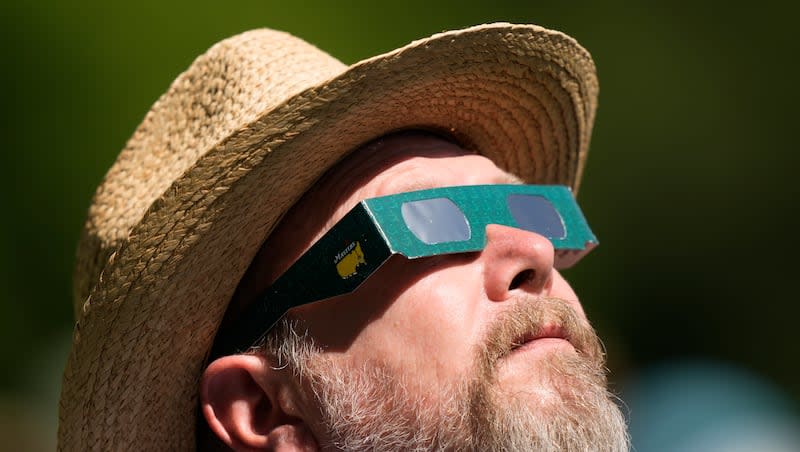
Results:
<point x="234" y="142"/>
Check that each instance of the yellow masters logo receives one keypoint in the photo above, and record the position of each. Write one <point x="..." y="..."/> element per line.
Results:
<point x="348" y="260"/>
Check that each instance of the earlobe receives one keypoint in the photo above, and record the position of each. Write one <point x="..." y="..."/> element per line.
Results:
<point x="246" y="404"/>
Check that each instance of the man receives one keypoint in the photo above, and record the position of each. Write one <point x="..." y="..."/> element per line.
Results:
<point x="205" y="231"/>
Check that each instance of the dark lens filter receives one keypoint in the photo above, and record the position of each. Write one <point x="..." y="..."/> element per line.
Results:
<point x="436" y="220"/>
<point x="536" y="214"/>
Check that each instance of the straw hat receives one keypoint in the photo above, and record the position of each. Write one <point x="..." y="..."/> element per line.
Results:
<point x="235" y="141"/>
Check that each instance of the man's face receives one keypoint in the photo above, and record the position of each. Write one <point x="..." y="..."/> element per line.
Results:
<point x="488" y="349"/>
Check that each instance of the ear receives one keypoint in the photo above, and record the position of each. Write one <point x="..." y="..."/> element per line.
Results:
<point x="252" y="406"/>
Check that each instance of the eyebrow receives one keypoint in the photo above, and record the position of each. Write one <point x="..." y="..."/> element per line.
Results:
<point x="510" y="178"/>
<point x="426" y="183"/>
<point x="405" y="185"/>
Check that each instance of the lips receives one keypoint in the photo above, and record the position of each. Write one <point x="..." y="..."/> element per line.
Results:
<point x="548" y="331"/>
<point x="537" y="327"/>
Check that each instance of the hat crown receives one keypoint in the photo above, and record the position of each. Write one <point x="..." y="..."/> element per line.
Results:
<point x="232" y="84"/>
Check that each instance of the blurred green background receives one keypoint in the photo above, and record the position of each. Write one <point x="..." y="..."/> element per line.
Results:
<point x="689" y="184"/>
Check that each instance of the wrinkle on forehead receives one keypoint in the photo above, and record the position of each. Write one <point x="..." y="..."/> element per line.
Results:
<point x="414" y="175"/>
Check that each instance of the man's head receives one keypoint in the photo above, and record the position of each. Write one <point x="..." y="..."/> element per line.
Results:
<point x="256" y="150"/>
<point x="478" y="351"/>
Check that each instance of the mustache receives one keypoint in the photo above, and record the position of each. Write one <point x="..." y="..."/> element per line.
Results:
<point x="531" y="317"/>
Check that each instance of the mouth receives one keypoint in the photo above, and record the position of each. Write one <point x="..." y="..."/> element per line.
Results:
<point x="545" y="334"/>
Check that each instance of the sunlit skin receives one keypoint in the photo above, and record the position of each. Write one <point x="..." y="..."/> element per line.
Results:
<point x="422" y="318"/>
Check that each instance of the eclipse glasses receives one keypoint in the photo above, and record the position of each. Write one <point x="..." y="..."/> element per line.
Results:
<point x="414" y="224"/>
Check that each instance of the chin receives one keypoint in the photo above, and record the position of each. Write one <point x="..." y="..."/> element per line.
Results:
<point x="564" y="405"/>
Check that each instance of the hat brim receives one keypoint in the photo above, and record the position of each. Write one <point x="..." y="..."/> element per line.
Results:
<point x="523" y="96"/>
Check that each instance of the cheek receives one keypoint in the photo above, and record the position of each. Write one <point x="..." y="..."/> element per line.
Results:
<point x="429" y="331"/>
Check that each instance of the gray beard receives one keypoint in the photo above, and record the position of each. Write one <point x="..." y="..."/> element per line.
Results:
<point x="566" y="407"/>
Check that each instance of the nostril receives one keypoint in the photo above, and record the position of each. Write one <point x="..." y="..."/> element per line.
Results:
<point x="521" y="278"/>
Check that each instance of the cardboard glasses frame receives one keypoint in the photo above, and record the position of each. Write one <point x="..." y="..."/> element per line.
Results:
<point x="414" y="224"/>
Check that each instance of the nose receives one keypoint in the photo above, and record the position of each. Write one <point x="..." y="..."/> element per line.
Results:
<point x="515" y="259"/>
